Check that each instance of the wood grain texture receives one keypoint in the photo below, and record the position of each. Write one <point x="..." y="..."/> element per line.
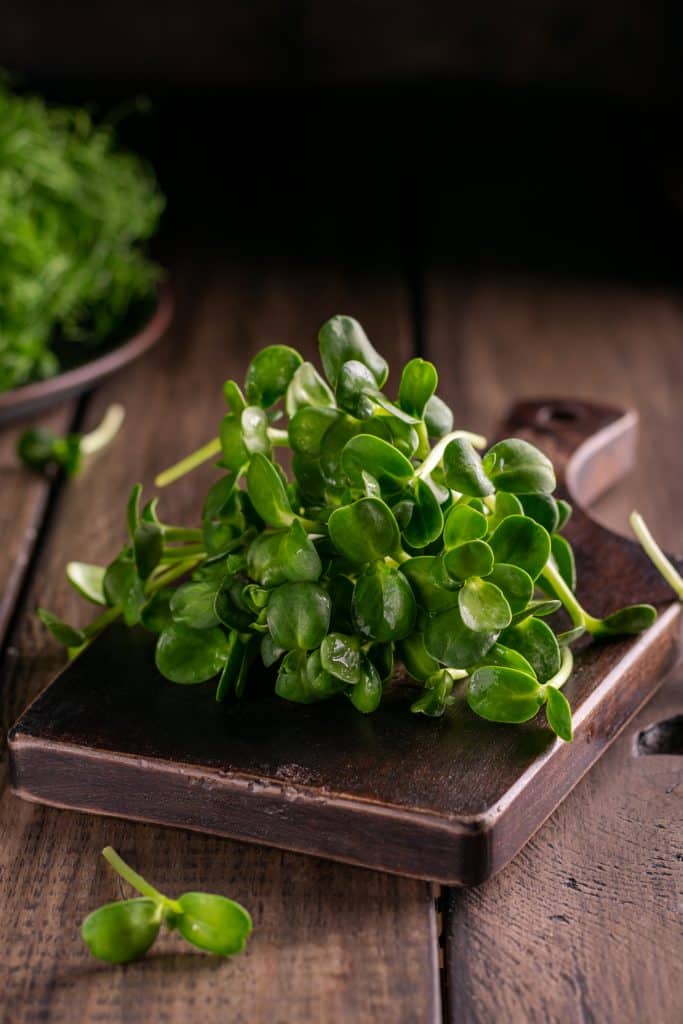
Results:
<point x="23" y="500"/>
<point x="585" y="925"/>
<point x="324" y="945"/>
<point x="469" y="793"/>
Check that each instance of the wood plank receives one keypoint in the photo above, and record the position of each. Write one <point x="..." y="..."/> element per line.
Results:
<point x="324" y="945"/>
<point x="585" y="923"/>
<point x="24" y="499"/>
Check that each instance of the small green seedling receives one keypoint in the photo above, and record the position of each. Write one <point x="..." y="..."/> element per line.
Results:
<point x="394" y="537"/>
<point x="39" y="448"/>
<point x="124" y="931"/>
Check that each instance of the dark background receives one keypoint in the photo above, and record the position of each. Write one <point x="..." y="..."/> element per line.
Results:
<point x="542" y="135"/>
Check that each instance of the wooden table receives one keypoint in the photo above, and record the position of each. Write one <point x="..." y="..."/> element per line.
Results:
<point x="585" y="925"/>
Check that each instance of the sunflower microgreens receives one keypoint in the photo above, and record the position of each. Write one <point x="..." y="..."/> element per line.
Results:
<point x="125" y="930"/>
<point x="393" y="538"/>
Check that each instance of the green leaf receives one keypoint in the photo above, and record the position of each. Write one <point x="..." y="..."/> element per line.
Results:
<point x="430" y="593"/>
<point x="463" y="523"/>
<point x="133" y="510"/>
<point x="220" y="497"/>
<point x="539" y="608"/>
<point x="426" y="522"/>
<point x="264" y="564"/>
<point x="148" y="546"/>
<point x="627" y="621"/>
<point x="298" y="616"/>
<point x="564" y="559"/>
<point x="307" y="388"/>
<point x="364" y="531"/>
<point x="355" y="385"/>
<point x="120" y="932"/>
<point x="156" y="614"/>
<point x="88" y="580"/>
<point x="438" y="418"/>
<point x="565" y="510"/>
<point x="367" y="693"/>
<point x="542" y="508"/>
<point x="417" y="661"/>
<point x="193" y="605"/>
<point x="452" y="643"/>
<point x="230" y="607"/>
<point x="308" y="427"/>
<point x="233" y="396"/>
<point x="535" y="640"/>
<point x="506" y="657"/>
<point x="418" y="384"/>
<point x="473" y="558"/>
<point x="254" y="425"/>
<point x="383" y="603"/>
<point x="504" y="505"/>
<point x="504" y="694"/>
<point x="298" y="556"/>
<point x="336" y="437"/>
<point x="123" y="586"/>
<point x="483" y="606"/>
<point x="235" y="454"/>
<point x="522" y="542"/>
<point x="516" y="466"/>
<point x="340" y="655"/>
<point x="436" y="697"/>
<point x="342" y="338"/>
<point x="364" y="452"/>
<point x="463" y="469"/>
<point x="186" y="655"/>
<point x="267" y="492"/>
<point x="559" y="714"/>
<point x="269" y="374"/>
<point x="516" y="584"/>
<point x="67" y="635"/>
<point x="213" y="923"/>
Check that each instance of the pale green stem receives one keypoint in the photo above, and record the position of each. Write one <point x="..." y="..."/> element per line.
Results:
<point x="190" y="462"/>
<point x="656" y="555"/>
<point x="106" y="432"/>
<point x="565" y="670"/>
<point x="137" y="881"/>
<point x="278" y="437"/>
<point x="578" y="615"/>
<point x="436" y="454"/>
<point x="173" y="533"/>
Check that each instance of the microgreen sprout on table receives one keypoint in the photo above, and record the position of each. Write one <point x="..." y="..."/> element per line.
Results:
<point x="397" y="538"/>
<point x="125" y="930"/>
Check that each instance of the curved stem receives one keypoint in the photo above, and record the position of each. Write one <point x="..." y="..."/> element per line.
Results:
<point x="656" y="555"/>
<point x="278" y="437"/>
<point x="436" y="454"/>
<point x="190" y="462"/>
<point x="565" y="670"/>
<point x="106" y="432"/>
<point x="577" y="614"/>
<point x="132" y="877"/>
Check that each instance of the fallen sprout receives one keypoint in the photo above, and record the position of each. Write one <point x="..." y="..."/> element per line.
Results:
<point x="656" y="555"/>
<point x="125" y="930"/>
<point x="39" y="448"/>
<point x="395" y="537"/>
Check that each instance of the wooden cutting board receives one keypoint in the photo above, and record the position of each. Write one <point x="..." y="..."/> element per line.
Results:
<point x="450" y="799"/>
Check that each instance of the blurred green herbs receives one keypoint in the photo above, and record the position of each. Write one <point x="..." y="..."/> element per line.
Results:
<point x="75" y="213"/>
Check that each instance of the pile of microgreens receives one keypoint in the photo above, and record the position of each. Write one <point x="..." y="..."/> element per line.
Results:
<point x="123" y="931"/>
<point x="394" y="539"/>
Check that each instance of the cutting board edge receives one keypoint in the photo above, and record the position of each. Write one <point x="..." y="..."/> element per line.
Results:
<point x="442" y="848"/>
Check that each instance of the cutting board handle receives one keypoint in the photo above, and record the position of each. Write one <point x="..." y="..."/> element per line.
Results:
<point x="592" y="446"/>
